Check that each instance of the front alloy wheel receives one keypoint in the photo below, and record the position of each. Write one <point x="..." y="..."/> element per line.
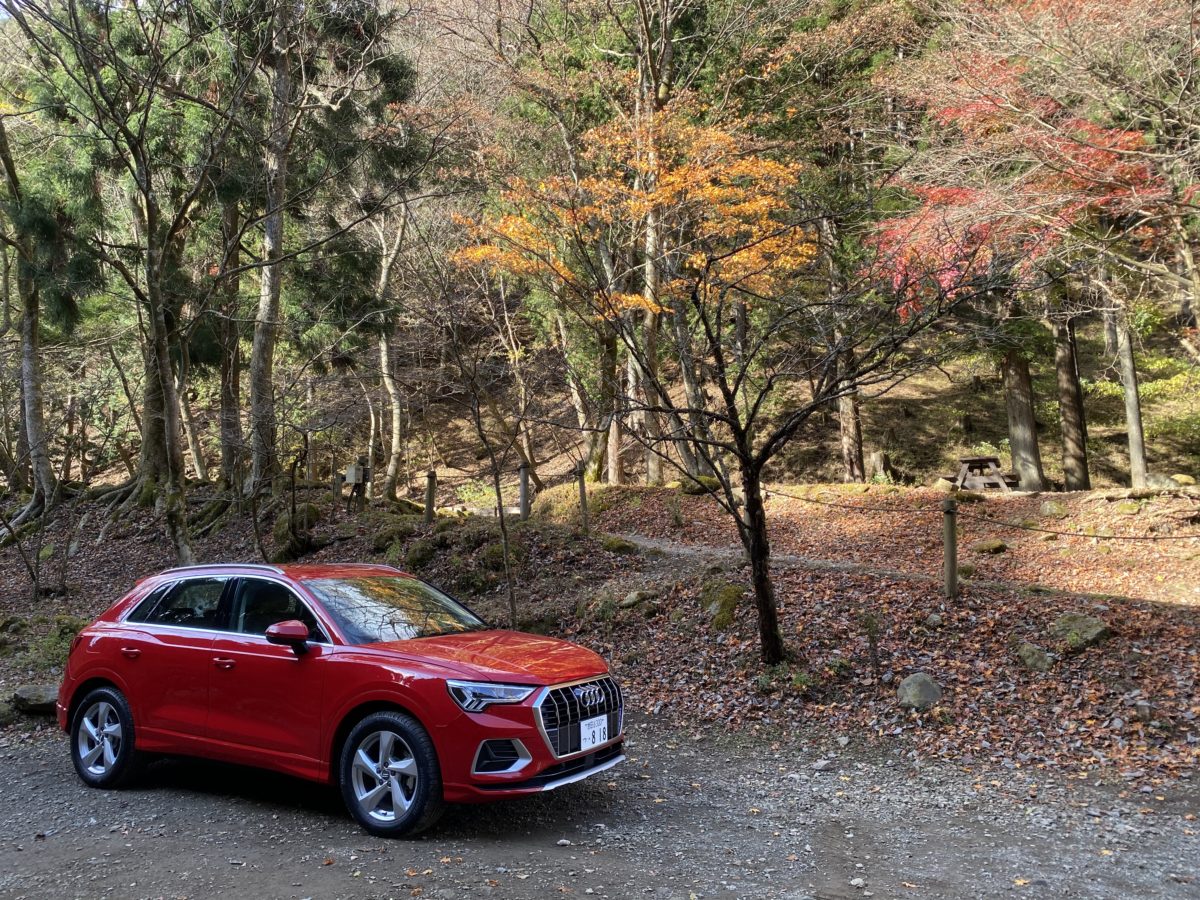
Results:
<point x="102" y="739"/>
<point x="389" y="775"/>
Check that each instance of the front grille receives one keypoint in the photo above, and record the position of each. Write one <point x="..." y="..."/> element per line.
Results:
<point x="561" y="710"/>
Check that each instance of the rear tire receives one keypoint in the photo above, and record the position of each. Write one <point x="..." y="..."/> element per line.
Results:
<point x="102" y="740"/>
<point x="389" y="775"/>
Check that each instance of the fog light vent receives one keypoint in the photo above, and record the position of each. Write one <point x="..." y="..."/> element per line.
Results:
<point x="501" y="755"/>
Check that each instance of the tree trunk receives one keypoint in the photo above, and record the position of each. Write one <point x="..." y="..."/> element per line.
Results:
<point x="185" y="414"/>
<point x="31" y="386"/>
<point x="850" y="426"/>
<point x="264" y="461"/>
<point x="1109" y="316"/>
<point x="396" y="447"/>
<point x="231" y="357"/>
<point x="1188" y="300"/>
<point x="69" y="418"/>
<point x="649" y="379"/>
<point x="1133" y="406"/>
<point x="1070" y="407"/>
<point x="758" y="552"/>
<point x="44" y="486"/>
<point x="1022" y="428"/>
<point x="692" y="391"/>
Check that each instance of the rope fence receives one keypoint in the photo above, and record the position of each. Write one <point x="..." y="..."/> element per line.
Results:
<point x="951" y="511"/>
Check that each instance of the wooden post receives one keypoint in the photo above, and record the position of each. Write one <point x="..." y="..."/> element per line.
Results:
<point x="338" y="480"/>
<point x="523" y="472"/>
<point x="430" y="495"/>
<point x="581" y="476"/>
<point x="950" y="542"/>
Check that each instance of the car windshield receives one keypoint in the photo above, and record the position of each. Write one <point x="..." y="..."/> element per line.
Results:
<point x="382" y="608"/>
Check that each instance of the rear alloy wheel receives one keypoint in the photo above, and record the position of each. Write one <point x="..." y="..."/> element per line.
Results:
<point x="389" y="775"/>
<point x="102" y="740"/>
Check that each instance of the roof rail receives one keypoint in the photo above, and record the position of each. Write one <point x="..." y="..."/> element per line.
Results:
<point x="264" y="566"/>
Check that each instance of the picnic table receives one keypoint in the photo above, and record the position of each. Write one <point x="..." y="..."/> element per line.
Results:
<point x="978" y="473"/>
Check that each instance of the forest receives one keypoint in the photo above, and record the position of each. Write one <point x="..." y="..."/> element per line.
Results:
<point x="719" y="243"/>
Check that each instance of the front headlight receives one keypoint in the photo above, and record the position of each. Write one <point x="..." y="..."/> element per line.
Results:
<point x="476" y="696"/>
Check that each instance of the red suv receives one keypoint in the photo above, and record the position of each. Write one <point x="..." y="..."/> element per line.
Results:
<point x="357" y="675"/>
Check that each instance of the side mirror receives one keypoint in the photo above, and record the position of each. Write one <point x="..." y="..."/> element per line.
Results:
<point x="292" y="633"/>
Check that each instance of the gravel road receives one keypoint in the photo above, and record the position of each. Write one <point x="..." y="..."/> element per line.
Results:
<point x="688" y="816"/>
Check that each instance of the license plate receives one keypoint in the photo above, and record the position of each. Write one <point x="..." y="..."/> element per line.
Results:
<point x="593" y="732"/>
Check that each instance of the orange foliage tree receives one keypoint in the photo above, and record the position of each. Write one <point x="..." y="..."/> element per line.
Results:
<point x="758" y="331"/>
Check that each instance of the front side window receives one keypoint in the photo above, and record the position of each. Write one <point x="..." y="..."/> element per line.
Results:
<point x="192" y="603"/>
<point x="382" y="608"/>
<point x="258" y="604"/>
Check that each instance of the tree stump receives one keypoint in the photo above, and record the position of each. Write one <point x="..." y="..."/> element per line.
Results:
<point x="879" y="465"/>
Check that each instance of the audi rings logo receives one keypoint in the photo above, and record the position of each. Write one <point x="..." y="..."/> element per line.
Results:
<point x="588" y="695"/>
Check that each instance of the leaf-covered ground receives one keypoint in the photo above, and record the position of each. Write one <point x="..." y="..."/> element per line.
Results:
<point x="1081" y="715"/>
<point x="841" y="573"/>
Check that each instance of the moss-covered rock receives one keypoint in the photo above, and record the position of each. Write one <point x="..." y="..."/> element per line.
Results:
<point x="559" y="504"/>
<point x="1078" y="631"/>
<point x="397" y="528"/>
<point x="1053" y="509"/>
<point x="700" y="484"/>
<point x="420" y="554"/>
<point x="50" y="650"/>
<point x="719" y="601"/>
<point x="407" y="507"/>
<point x="306" y="518"/>
<point x="446" y="524"/>
<point x="618" y="545"/>
<point x="1128" y="507"/>
<point x="990" y="545"/>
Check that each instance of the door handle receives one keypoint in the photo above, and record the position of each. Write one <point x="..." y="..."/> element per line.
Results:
<point x="131" y="652"/>
<point x="222" y="662"/>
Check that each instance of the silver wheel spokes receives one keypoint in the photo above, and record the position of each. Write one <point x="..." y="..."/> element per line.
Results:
<point x="384" y="776"/>
<point x="100" y="737"/>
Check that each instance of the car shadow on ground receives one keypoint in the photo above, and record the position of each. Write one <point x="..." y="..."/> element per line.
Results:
<point x="576" y="806"/>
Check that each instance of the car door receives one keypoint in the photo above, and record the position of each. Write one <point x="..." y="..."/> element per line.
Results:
<point x="265" y="701"/>
<point x="165" y="650"/>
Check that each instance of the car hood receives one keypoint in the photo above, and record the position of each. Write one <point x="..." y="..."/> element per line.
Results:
<point x="503" y="656"/>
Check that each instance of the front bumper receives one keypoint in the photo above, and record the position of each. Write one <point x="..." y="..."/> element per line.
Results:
<point x="541" y="767"/>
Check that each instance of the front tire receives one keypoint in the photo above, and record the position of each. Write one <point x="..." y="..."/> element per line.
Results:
<point x="389" y="775"/>
<point x="102" y="741"/>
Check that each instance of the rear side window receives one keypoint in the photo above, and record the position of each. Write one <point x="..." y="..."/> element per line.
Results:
<point x="193" y="603"/>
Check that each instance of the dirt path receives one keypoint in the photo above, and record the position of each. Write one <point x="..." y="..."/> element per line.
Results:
<point x="686" y="816"/>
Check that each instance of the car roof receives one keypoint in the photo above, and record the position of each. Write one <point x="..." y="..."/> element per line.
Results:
<point x="301" y="572"/>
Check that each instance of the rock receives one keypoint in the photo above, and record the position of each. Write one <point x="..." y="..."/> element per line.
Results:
<point x="36" y="699"/>
<point x="1080" y="631"/>
<point x="1128" y="507"/>
<point x="943" y="484"/>
<point x="1143" y="710"/>
<point x="1033" y="657"/>
<point x="8" y="715"/>
<point x="1053" y="509"/>
<point x="1048" y="537"/>
<point x="719" y="600"/>
<point x="933" y="620"/>
<point x="918" y="691"/>
<point x="857" y="882"/>
<point x="821" y="765"/>
<point x="991" y="545"/>
<point x="636" y="598"/>
<point x="701" y="484"/>
<point x="1156" y="482"/>
<point x="563" y="842"/>
<point x="1183" y="480"/>
<point x="843" y="742"/>
<point x="618" y="545"/>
